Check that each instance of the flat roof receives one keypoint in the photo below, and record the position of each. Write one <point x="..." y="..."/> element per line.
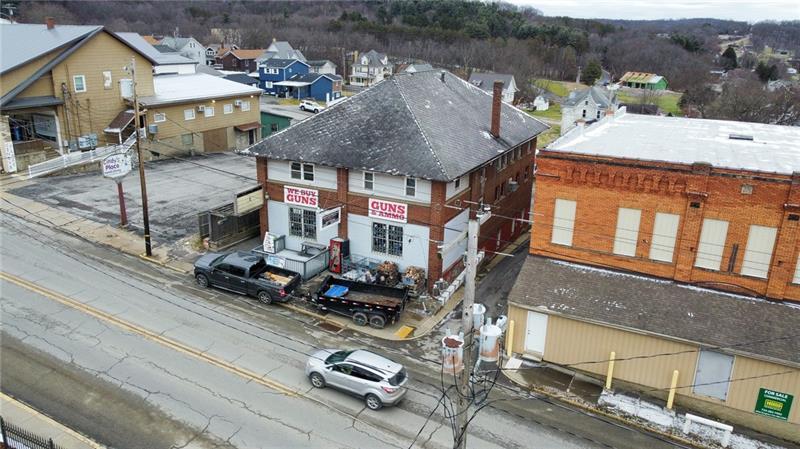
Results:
<point x="171" y="89"/>
<point x="721" y="143"/>
<point x="759" y="328"/>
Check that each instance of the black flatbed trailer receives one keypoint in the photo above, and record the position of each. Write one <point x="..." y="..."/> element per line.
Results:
<point x="371" y="304"/>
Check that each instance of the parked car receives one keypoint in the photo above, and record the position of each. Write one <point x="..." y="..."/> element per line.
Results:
<point x="245" y="273"/>
<point x="376" y="379"/>
<point x="309" y="105"/>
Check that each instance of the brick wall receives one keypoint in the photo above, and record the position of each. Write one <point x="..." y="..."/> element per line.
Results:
<point x="601" y="186"/>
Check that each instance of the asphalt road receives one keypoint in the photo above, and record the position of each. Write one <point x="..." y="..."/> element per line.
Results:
<point x="134" y="356"/>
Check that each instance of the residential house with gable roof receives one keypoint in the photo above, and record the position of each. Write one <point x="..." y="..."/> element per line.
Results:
<point x="485" y="80"/>
<point x="165" y="63"/>
<point x="587" y="106"/>
<point x="322" y="66"/>
<point x="272" y="71"/>
<point x="398" y="175"/>
<point x="187" y="47"/>
<point x="370" y="68"/>
<point x="240" y="60"/>
<point x="281" y="50"/>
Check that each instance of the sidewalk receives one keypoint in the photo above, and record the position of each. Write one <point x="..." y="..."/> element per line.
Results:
<point x="23" y="416"/>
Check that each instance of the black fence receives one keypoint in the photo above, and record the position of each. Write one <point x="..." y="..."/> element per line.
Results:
<point x="224" y="228"/>
<point x="16" y="437"/>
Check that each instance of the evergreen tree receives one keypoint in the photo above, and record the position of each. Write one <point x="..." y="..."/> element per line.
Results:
<point x="592" y="73"/>
<point x="728" y="59"/>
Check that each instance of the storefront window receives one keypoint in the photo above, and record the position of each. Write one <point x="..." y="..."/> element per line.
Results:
<point x="387" y="239"/>
<point x="303" y="223"/>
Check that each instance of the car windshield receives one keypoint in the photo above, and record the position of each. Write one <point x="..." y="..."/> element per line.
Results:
<point x="338" y="356"/>
<point x="217" y="260"/>
<point x="398" y="378"/>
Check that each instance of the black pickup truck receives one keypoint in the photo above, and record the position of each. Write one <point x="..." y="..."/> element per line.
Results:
<point x="246" y="273"/>
<point x="371" y="304"/>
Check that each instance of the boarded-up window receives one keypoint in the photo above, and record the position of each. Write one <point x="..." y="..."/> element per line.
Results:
<point x="627" y="231"/>
<point x="563" y="222"/>
<point x="665" y="231"/>
<point x="796" y="279"/>
<point x="758" y="252"/>
<point x="713" y="374"/>
<point x="712" y="244"/>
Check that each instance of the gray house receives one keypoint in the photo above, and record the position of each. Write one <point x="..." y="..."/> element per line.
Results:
<point x="281" y="50"/>
<point x="587" y="105"/>
<point x="486" y="79"/>
<point x="187" y="47"/>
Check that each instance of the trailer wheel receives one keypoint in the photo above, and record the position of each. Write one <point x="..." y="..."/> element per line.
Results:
<point x="377" y="321"/>
<point x="265" y="297"/>
<point x="360" y="318"/>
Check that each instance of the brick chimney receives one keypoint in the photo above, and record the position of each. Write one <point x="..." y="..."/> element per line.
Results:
<point x="497" y="95"/>
<point x="51" y="22"/>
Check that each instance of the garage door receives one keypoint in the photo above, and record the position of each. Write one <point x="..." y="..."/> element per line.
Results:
<point x="535" y="333"/>
<point x="215" y="140"/>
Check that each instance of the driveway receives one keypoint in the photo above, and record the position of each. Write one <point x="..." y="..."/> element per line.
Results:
<point x="177" y="190"/>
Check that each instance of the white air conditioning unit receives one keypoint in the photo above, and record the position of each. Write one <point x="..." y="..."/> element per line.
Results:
<point x="201" y="108"/>
<point x="512" y="185"/>
<point x="237" y="103"/>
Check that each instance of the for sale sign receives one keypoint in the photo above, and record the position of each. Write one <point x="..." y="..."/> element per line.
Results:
<point x="388" y="210"/>
<point x="774" y="404"/>
<point x="300" y="196"/>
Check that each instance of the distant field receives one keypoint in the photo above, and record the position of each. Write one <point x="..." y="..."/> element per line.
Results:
<point x="548" y="136"/>
<point x="667" y="101"/>
<point x="560" y="88"/>
<point x="553" y="113"/>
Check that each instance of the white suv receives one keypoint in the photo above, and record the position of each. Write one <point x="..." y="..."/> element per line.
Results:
<point x="308" y="105"/>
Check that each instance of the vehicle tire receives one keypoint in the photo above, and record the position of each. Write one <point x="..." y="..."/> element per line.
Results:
<point x="360" y="318"/>
<point x="302" y="108"/>
<point x="377" y="321"/>
<point x="202" y="280"/>
<point x="316" y="110"/>
<point x="317" y="380"/>
<point x="373" y="402"/>
<point x="264" y="297"/>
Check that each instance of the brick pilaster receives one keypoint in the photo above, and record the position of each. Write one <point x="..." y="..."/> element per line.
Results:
<point x="437" y="222"/>
<point x="261" y="174"/>
<point x="689" y="236"/>
<point x="342" y="188"/>
<point x="784" y="259"/>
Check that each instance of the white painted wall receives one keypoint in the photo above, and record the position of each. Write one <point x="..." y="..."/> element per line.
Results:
<point x="390" y="187"/>
<point x="451" y="186"/>
<point x="280" y="171"/>
<point x="415" y="241"/>
<point x="180" y="69"/>
<point x="279" y="225"/>
<point x="453" y="229"/>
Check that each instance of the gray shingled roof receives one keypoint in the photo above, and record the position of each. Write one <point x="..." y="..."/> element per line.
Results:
<point x="411" y="124"/>
<point x="657" y="306"/>
<point x="241" y="78"/>
<point x="277" y="63"/>
<point x="21" y="43"/>
<point x="599" y="95"/>
<point x="486" y="80"/>
<point x="136" y="41"/>
<point x="319" y="62"/>
<point x="374" y="57"/>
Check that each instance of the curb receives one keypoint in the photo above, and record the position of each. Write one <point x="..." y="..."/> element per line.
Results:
<point x="152" y="259"/>
<point x="599" y="411"/>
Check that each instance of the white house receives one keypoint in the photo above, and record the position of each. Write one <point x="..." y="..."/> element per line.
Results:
<point x="165" y="63"/>
<point x="587" y="105"/>
<point x="187" y="47"/>
<point x="541" y="103"/>
<point x="322" y="66"/>
<point x="281" y="50"/>
<point x="486" y="80"/>
<point x="370" y="68"/>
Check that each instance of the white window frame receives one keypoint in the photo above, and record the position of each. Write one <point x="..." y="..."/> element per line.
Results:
<point x="308" y="228"/>
<point x="758" y="252"/>
<point x="267" y="84"/>
<point x="457" y="183"/>
<point x="709" y="248"/>
<point x="564" y="212"/>
<point x="665" y="233"/>
<point x="414" y="187"/>
<point x="371" y="181"/>
<point x="304" y="170"/>
<point x="227" y="108"/>
<point x="159" y="117"/>
<point x="208" y="111"/>
<point x="626" y="237"/>
<point x="796" y="279"/>
<point x="245" y="105"/>
<point x="75" y="83"/>
<point x="107" y="80"/>
<point x="189" y="114"/>
<point x="393" y="246"/>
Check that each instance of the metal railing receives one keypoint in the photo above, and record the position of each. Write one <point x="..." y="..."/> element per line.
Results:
<point x="15" y="437"/>
<point x="78" y="158"/>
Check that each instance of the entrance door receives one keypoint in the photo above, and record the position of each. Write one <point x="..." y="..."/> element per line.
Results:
<point x="535" y="333"/>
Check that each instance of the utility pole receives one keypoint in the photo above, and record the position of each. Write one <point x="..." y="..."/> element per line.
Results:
<point x="464" y="400"/>
<point x="145" y="216"/>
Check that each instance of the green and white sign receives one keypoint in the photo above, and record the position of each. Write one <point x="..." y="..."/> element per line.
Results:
<point x="774" y="404"/>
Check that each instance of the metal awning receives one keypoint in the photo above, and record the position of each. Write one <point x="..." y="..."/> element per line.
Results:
<point x="291" y="83"/>
<point x="120" y="122"/>
<point x="248" y="126"/>
<point x="32" y="102"/>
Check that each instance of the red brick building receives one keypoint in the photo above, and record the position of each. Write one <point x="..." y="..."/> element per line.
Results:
<point x="710" y="203"/>
<point x="397" y="169"/>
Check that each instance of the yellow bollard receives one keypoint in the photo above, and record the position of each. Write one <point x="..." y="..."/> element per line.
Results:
<point x="510" y="338"/>
<point x="610" y="370"/>
<point x="672" y="386"/>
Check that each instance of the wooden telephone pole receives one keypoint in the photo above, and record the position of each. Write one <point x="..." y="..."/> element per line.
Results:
<point x="464" y="399"/>
<point x="148" y="250"/>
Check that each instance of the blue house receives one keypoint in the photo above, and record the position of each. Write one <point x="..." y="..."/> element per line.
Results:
<point x="271" y="71"/>
<point x="320" y="86"/>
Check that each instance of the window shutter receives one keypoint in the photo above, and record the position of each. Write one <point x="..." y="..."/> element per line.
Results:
<point x="758" y="253"/>
<point x="712" y="244"/>
<point x="627" y="231"/>
<point x="665" y="231"/>
<point x="563" y="222"/>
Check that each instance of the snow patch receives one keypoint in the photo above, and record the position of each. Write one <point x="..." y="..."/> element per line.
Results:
<point x="486" y="135"/>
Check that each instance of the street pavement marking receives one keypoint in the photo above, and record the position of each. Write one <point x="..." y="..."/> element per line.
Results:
<point x="51" y="421"/>
<point x="150" y="335"/>
<point x="180" y="347"/>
